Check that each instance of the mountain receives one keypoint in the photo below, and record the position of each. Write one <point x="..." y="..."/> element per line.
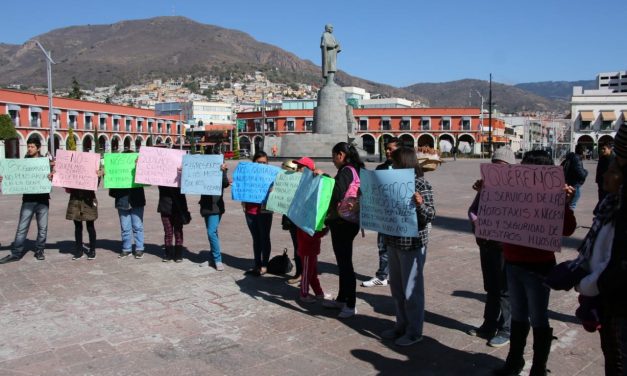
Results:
<point x="138" y="50"/>
<point x="561" y="90"/>
<point x="505" y="98"/>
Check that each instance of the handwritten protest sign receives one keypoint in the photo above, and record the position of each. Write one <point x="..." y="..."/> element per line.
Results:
<point x="311" y="202"/>
<point x="159" y="166"/>
<point x="202" y="174"/>
<point x="283" y="190"/>
<point x="522" y="204"/>
<point x="75" y="169"/>
<point x="386" y="203"/>
<point x="28" y="175"/>
<point x="251" y="181"/>
<point x="120" y="170"/>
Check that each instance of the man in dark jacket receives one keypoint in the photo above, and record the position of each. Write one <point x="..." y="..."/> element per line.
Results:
<point x="574" y="173"/>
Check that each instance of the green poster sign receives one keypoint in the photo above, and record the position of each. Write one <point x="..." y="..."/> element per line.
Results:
<point x="120" y="170"/>
<point x="283" y="190"/>
<point x="28" y="175"/>
<point x="324" y="198"/>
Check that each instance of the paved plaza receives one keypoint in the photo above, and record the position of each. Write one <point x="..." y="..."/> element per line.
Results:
<point x="115" y="316"/>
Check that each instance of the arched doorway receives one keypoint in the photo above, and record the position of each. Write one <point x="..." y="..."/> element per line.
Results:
<point x="87" y="143"/>
<point x="159" y="141"/>
<point x="115" y="144"/>
<point x="244" y="143"/>
<point x="465" y="144"/>
<point x="168" y="141"/>
<point x="368" y="143"/>
<point x="149" y="141"/>
<point x="102" y="143"/>
<point x="446" y="143"/>
<point x="407" y="140"/>
<point x="138" y="143"/>
<point x="426" y="140"/>
<point x="128" y="141"/>
<point x="258" y="143"/>
<point x="12" y="148"/>
<point x="57" y="143"/>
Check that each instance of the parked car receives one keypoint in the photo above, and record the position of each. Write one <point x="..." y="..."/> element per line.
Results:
<point x="243" y="153"/>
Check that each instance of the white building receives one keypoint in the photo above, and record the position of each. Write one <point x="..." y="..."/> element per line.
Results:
<point x="613" y="81"/>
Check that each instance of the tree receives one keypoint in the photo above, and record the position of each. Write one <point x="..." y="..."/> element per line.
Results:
<point x="71" y="141"/>
<point x="76" y="92"/>
<point x="236" y="142"/>
<point x="7" y="129"/>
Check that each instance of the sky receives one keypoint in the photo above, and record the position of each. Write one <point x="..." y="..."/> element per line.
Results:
<point x="399" y="42"/>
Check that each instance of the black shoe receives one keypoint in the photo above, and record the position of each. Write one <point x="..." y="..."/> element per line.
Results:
<point x="78" y="256"/>
<point x="178" y="253"/>
<point x="124" y="254"/>
<point x="139" y="254"/>
<point x="39" y="255"/>
<point x="91" y="254"/>
<point x="8" y="259"/>
<point x="482" y="332"/>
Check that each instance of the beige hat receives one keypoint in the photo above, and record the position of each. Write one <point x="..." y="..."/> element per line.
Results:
<point x="289" y="166"/>
<point x="504" y="154"/>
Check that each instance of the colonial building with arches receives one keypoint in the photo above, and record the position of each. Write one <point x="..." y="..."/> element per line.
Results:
<point x="119" y="127"/>
<point x="439" y="128"/>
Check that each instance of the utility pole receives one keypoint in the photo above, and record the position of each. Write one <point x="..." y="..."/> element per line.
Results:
<point x="49" y="61"/>
<point x="480" y="126"/>
<point x="263" y="120"/>
<point x="490" y="119"/>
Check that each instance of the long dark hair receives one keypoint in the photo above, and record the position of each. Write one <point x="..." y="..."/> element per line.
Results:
<point x="259" y="154"/>
<point x="538" y="157"/>
<point x="352" y="156"/>
<point x="405" y="157"/>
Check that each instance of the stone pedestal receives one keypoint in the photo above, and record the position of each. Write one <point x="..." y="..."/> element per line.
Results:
<point x="311" y="145"/>
<point x="330" y="116"/>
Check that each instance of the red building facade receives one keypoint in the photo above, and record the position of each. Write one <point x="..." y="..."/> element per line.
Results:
<point x="434" y="127"/>
<point x="119" y="127"/>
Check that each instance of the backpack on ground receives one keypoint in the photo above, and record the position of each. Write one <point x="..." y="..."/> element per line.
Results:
<point x="280" y="264"/>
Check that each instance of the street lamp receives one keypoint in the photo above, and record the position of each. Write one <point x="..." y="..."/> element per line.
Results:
<point x="49" y="63"/>
<point x="480" y="126"/>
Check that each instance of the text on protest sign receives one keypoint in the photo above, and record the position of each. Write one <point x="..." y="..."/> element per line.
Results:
<point x="28" y="175"/>
<point x="311" y="202"/>
<point x="159" y="166"/>
<point x="75" y="169"/>
<point x="522" y="204"/>
<point x="120" y="170"/>
<point x="387" y="202"/>
<point x="251" y="181"/>
<point x="283" y="190"/>
<point x="202" y="174"/>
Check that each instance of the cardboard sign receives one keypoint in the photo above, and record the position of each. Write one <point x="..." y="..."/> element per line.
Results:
<point x="523" y="205"/>
<point x="387" y="204"/>
<point x="283" y="190"/>
<point x="159" y="166"/>
<point x="252" y="181"/>
<point x="311" y="202"/>
<point x="28" y="175"/>
<point x="75" y="169"/>
<point x="120" y="170"/>
<point x="202" y="174"/>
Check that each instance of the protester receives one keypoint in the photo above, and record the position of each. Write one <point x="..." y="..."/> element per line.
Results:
<point x="288" y="225"/>
<point x="212" y="209"/>
<point x="174" y="214"/>
<point x="526" y="268"/>
<point x="347" y="161"/>
<point x="83" y="207"/>
<point x="308" y="250"/>
<point x="574" y="172"/>
<point x="36" y="205"/>
<point x="130" y="203"/>
<point x="407" y="258"/>
<point x="381" y="276"/>
<point x="605" y="158"/>
<point x="259" y="223"/>
<point x="497" y="312"/>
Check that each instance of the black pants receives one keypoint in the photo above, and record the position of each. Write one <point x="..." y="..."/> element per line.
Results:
<point x="78" y="235"/>
<point x="497" y="312"/>
<point x="297" y="260"/>
<point x="342" y="236"/>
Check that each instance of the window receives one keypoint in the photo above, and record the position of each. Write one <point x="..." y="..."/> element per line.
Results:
<point x="405" y="124"/>
<point x="465" y="124"/>
<point x="606" y="125"/>
<point x="72" y="121"/>
<point x="257" y="125"/>
<point x="103" y="124"/>
<point x="88" y="122"/>
<point x="56" y="121"/>
<point x="289" y="125"/>
<point x="308" y="124"/>
<point x="116" y="125"/>
<point x="168" y="128"/>
<point x="128" y="125"/>
<point x="270" y="125"/>
<point x="425" y="124"/>
<point x="386" y="124"/>
<point x="14" y="114"/>
<point x="178" y="128"/>
<point x="363" y="124"/>
<point x="159" y="127"/>
<point x="585" y="125"/>
<point x="150" y="127"/>
<point x="446" y="124"/>
<point x="140" y="126"/>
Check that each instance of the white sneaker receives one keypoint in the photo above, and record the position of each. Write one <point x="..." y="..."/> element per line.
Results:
<point x="347" y="312"/>
<point x="334" y="304"/>
<point x="375" y="281"/>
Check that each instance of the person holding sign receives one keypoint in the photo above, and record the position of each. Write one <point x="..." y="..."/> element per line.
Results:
<point x="526" y="268"/>
<point x="407" y="258"/>
<point x="83" y="207"/>
<point x="288" y="225"/>
<point x="174" y="214"/>
<point x="211" y="209"/>
<point x="259" y="223"/>
<point x="346" y="160"/>
<point x="36" y="205"/>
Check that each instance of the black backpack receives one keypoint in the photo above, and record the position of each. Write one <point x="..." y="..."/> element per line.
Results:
<point x="280" y="264"/>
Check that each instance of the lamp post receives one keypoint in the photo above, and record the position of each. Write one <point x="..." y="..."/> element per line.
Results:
<point x="49" y="63"/>
<point x="480" y="126"/>
<point x="182" y="128"/>
<point x="490" y="119"/>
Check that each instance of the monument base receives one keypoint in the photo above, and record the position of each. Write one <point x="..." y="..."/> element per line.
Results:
<point x="313" y="145"/>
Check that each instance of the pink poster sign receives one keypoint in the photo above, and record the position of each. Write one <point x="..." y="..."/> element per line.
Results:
<point x="75" y="169"/>
<point x="159" y="166"/>
<point x="523" y="205"/>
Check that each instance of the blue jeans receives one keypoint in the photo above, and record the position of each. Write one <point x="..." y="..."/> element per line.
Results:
<point x="27" y="211"/>
<point x="132" y="225"/>
<point x="529" y="296"/>
<point x="408" y="288"/>
<point x="212" y="222"/>
<point x="259" y="226"/>
<point x="384" y="270"/>
<point x="576" y="196"/>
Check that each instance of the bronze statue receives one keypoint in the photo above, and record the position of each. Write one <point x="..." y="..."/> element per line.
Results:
<point x="330" y="48"/>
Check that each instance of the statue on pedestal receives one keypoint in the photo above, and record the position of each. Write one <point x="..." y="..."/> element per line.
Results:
<point x="330" y="48"/>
